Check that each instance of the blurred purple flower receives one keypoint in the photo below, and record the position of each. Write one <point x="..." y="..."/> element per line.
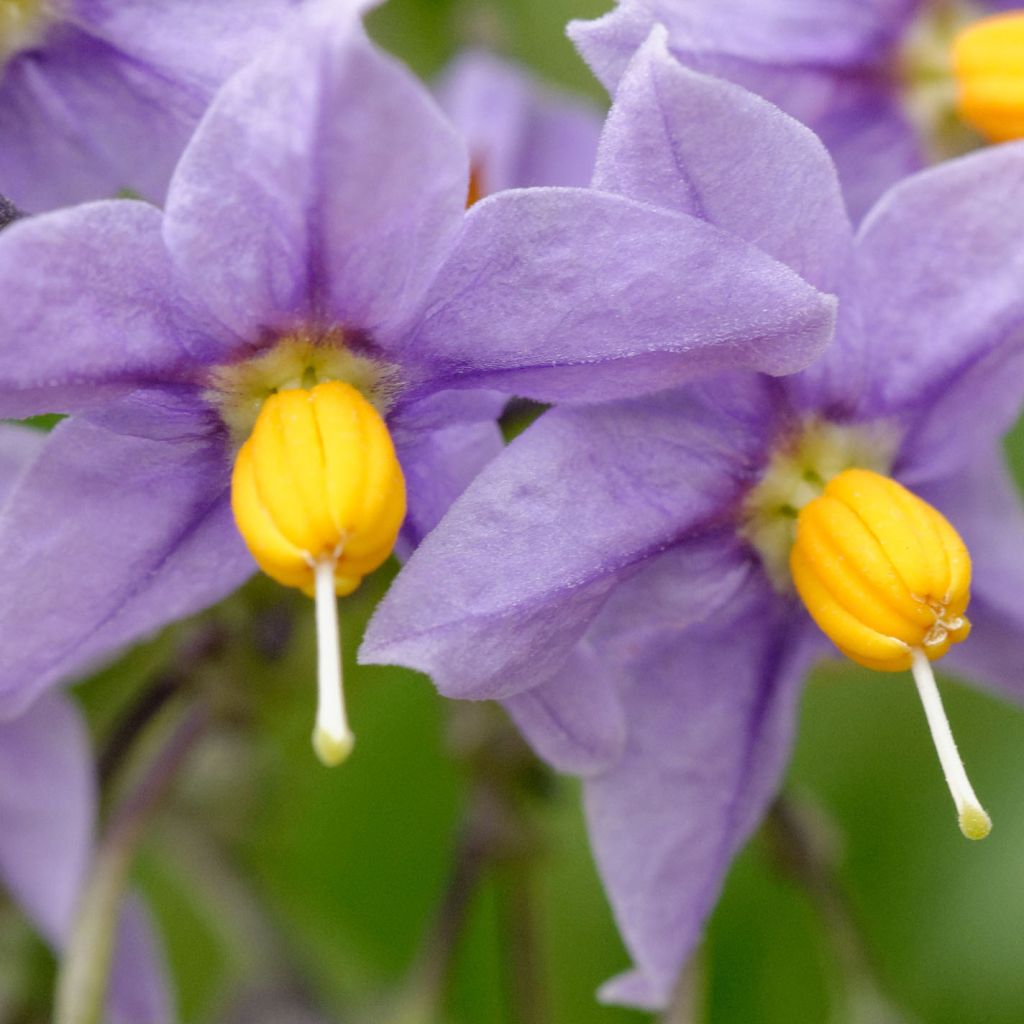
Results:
<point x="873" y="79"/>
<point x="47" y="813"/>
<point x="97" y="96"/>
<point x="603" y="576"/>
<point x="519" y="133"/>
<point x="323" y="197"/>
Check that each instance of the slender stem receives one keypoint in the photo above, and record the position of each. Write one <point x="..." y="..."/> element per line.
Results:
<point x="332" y="737"/>
<point x="85" y="968"/>
<point x="802" y="853"/>
<point x="521" y="945"/>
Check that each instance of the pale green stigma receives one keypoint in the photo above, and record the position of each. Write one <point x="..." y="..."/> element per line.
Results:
<point x="300" y="360"/>
<point x="797" y="473"/>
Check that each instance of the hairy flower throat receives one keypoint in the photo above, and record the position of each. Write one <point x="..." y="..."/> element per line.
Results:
<point x="22" y="23"/>
<point x="887" y="578"/>
<point x="319" y="497"/>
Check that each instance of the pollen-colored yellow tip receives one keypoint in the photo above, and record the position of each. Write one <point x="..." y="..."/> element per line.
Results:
<point x="988" y="62"/>
<point x="975" y="823"/>
<point x="332" y="749"/>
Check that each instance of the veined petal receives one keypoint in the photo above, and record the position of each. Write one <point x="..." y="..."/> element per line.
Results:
<point x="984" y="505"/>
<point x="18" y="447"/>
<point x="344" y="192"/>
<point x="577" y="295"/>
<point x="575" y="720"/>
<point x="708" y="148"/>
<point x="843" y="34"/>
<point x="144" y="536"/>
<point x="935" y="284"/>
<point x="711" y="714"/>
<point x="90" y="309"/>
<point x="498" y="595"/>
<point x="47" y="803"/>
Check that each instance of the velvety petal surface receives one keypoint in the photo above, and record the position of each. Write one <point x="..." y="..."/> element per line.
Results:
<point x="839" y="34"/>
<point x="934" y="287"/>
<point x="708" y="148"/>
<point x="91" y="310"/>
<point x="496" y="598"/>
<point x="574" y="721"/>
<point x="47" y="803"/>
<point x="122" y="525"/>
<point x="139" y="987"/>
<point x="576" y="295"/>
<point x="984" y="505"/>
<point x="518" y="132"/>
<point x="18" y="447"/>
<point x="343" y="194"/>
<point x="711" y="714"/>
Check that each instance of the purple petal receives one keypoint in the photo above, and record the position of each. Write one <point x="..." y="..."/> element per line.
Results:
<point x="47" y="803"/>
<point x="439" y="465"/>
<point x="936" y="282"/>
<point x="337" y="202"/>
<point x="498" y="595"/>
<point x="90" y="309"/>
<point x="984" y="505"/>
<point x="711" y="715"/>
<point x="18" y="447"/>
<point x="576" y="295"/>
<point x="519" y="133"/>
<point x="139" y="987"/>
<point x="575" y="720"/>
<point x="144" y="536"/>
<point x="840" y="34"/>
<point x="710" y="149"/>
<point x="871" y="140"/>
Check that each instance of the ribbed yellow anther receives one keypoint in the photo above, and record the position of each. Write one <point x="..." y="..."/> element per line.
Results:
<point x="988" y="62"/>
<point x="318" y="480"/>
<point x="881" y="571"/>
<point x="887" y="579"/>
<point x="319" y="497"/>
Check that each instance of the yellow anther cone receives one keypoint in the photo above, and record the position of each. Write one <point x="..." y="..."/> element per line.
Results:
<point x="881" y="571"/>
<point x="988" y="62"/>
<point x="319" y="497"/>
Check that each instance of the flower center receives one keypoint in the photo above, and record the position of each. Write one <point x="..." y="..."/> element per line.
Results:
<point x="21" y="26"/>
<point x="300" y="360"/>
<point x="963" y="77"/>
<point x="317" y="490"/>
<point x="882" y="573"/>
<point x="797" y="472"/>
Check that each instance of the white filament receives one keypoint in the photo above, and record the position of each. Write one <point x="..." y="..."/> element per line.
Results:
<point x="332" y="738"/>
<point x="974" y="822"/>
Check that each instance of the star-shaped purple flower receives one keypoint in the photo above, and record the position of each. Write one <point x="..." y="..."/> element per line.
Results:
<point x="874" y="80"/>
<point x="619" y="575"/>
<point x="316" y="228"/>
<point x="98" y="96"/>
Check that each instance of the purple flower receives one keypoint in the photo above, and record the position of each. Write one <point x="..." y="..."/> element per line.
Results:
<point x="97" y="96"/>
<point x="519" y="133"/>
<point x="316" y="231"/>
<point x="875" y="80"/>
<point x="619" y="576"/>
<point x="47" y="812"/>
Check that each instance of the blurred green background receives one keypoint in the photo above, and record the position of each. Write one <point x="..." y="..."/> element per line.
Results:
<point x="291" y="894"/>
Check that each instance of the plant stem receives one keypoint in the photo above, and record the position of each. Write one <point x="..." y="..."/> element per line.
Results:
<point x="85" y="968"/>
